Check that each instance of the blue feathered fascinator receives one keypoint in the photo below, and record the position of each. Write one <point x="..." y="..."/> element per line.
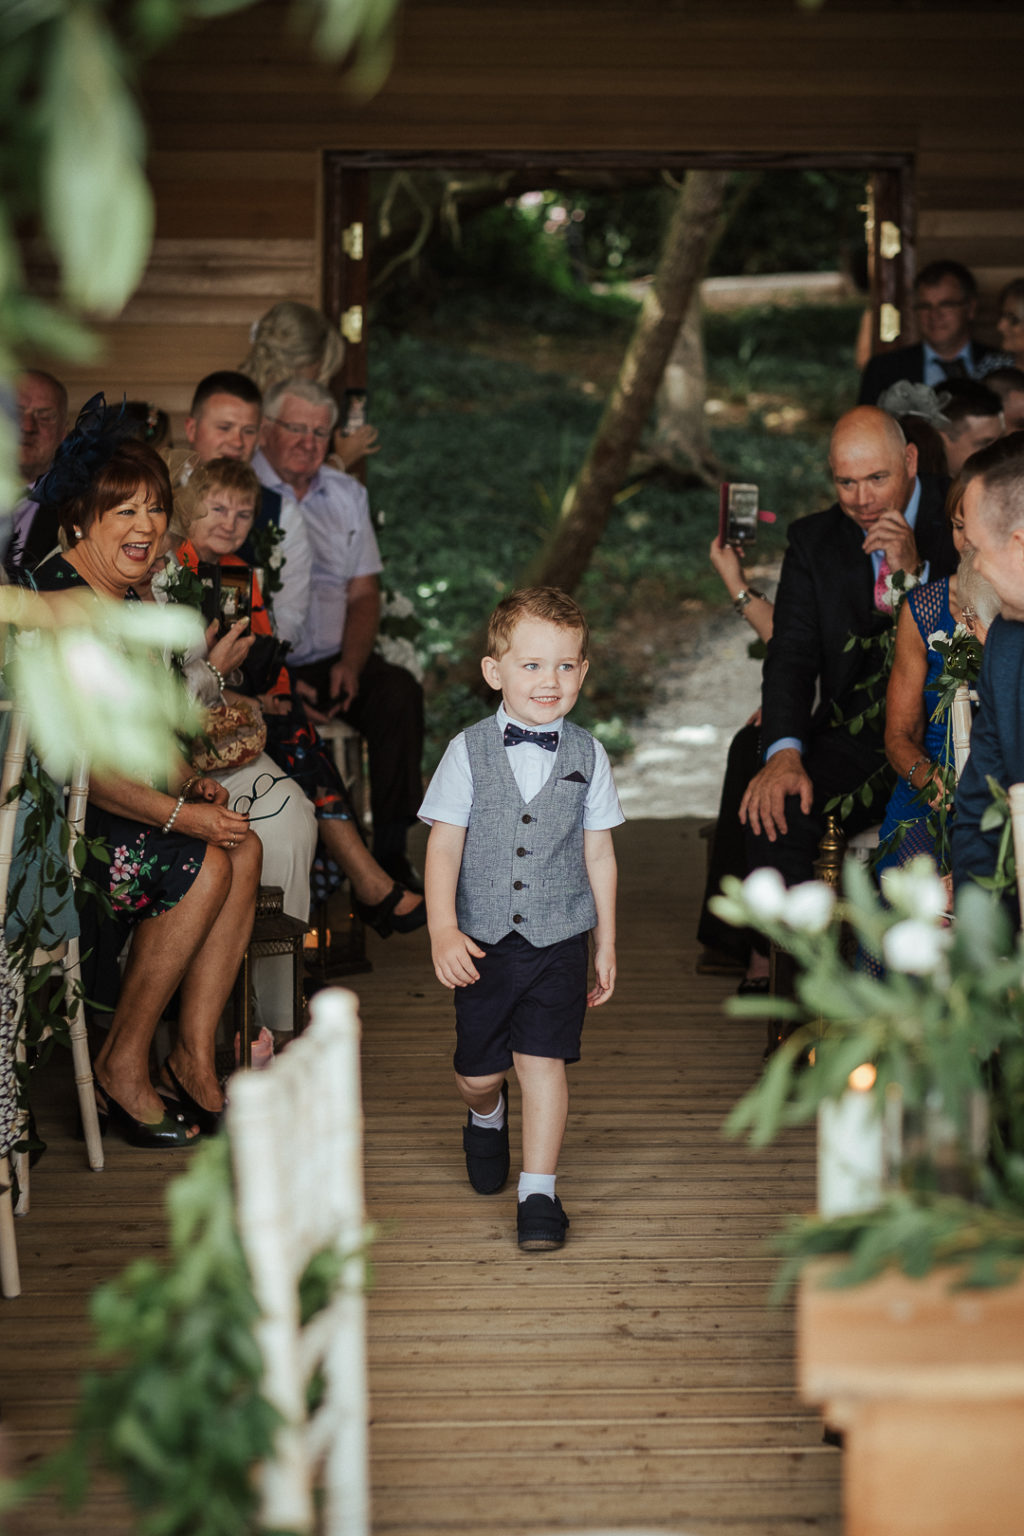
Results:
<point x="98" y="432"/>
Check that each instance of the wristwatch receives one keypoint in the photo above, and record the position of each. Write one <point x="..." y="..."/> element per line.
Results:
<point x="743" y="596"/>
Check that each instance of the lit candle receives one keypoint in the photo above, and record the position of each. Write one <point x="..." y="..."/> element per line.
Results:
<point x="850" y="1157"/>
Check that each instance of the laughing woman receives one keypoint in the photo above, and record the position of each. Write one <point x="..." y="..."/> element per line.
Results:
<point x="185" y="868"/>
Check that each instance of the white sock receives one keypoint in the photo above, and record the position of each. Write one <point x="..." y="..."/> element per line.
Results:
<point x="495" y="1120"/>
<point x="536" y="1184"/>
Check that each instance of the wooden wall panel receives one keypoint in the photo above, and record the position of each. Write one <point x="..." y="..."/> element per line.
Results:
<point x="240" y="117"/>
<point x="192" y="314"/>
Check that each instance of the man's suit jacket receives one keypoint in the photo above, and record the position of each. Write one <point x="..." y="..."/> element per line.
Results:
<point x="997" y="748"/>
<point x="905" y="363"/>
<point x="826" y="593"/>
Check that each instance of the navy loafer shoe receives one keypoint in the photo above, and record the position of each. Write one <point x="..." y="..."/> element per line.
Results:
<point x="541" y="1223"/>
<point x="487" y="1154"/>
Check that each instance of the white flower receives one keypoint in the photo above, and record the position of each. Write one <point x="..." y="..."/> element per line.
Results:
<point x="915" y="947"/>
<point x="809" y="906"/>
<point x="161" y="580"/>
<point x="940" y="635"/>
<point x="398" y="605"/>
<point x="401" y="653"/>
<point x="765" y="894"/>
<point x="276" y="559"/>
<point x="917" y="889"/>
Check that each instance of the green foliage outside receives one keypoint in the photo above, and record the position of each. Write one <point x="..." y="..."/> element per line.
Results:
<point x="776" y="221"/>
<point x="480" y="447"/>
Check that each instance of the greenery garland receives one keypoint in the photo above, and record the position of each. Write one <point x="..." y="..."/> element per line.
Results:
<point x="49" y="999"/>
<point x="175" y="1407"/>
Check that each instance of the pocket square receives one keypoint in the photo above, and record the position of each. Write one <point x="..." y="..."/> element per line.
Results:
<point x="573" y="778"/>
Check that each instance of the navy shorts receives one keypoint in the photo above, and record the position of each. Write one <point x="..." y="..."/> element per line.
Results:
<point x="528" y="1000"/>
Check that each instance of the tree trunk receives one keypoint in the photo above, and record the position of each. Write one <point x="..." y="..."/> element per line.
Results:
<point x="588" y="504"/>
<point x="680" y="437"/>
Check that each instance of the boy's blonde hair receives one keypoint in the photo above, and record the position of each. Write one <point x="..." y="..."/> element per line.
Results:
<point x="220" y="475"/>
<point x="549" y="604"/>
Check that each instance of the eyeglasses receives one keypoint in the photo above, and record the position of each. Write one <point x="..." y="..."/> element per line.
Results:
<point x="943" y="307"/>
<point x="296" y="429"/>
<point x="262" y="785"/>
<point x="1011" y="319"/>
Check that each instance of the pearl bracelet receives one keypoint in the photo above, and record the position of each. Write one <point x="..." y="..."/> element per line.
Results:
<point x="169" y="823"/>
<point x="172" y="818"/>
<point x="218" y="676"/>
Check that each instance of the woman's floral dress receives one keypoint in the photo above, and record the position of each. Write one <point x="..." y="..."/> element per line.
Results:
<point x="149" y="870"/>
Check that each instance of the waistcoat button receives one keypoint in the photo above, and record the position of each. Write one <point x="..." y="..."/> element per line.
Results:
<point x="527" y="819"/>
<point x="517" y="885"/>
<point x="520" y="853"/>
<point x="517" y="917"/>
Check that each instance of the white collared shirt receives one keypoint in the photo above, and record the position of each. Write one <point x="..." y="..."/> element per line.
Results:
<point x="336" y="515"/>
<point x="449" y="796"/>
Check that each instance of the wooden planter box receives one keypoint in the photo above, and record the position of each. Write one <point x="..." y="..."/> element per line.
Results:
<point x="927" y="1385"/>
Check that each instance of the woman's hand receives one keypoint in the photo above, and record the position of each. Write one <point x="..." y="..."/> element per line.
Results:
<point x="206" y="815"/>
<point x="350" y="447"/>
<point x="727" y="563"/>
<point x="274" y="703"/>
<point x="231" y="649"/>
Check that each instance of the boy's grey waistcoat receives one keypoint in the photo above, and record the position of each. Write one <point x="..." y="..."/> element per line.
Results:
<point x="523" y="868"/>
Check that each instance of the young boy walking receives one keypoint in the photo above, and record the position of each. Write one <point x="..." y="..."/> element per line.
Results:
<point x="520" y="868"/>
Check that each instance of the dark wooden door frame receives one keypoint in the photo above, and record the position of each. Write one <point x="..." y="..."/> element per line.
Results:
<point x="345" y="259"/>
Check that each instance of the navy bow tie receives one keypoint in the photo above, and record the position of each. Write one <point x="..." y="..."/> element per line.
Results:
<point x="514" y="734"/>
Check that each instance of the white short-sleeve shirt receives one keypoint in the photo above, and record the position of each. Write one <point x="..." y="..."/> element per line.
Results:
<point x="343" y="545"/>
<point x="449" y="796"/>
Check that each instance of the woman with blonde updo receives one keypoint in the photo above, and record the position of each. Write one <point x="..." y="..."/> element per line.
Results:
<point x="295" y="341"/>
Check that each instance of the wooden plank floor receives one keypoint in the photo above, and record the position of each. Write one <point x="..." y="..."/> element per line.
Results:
<point x="636" y="1378"/>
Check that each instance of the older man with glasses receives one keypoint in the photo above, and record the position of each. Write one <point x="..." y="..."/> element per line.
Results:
<point x="42" y="422"/>
<point x="945" y="297"/>
<point x="334" y="665"/>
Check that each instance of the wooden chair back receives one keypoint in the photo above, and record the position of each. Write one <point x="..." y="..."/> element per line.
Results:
<point x="1016" y="797"/>
<point x="296" y="1144"/>
<point x="961" y="716"/>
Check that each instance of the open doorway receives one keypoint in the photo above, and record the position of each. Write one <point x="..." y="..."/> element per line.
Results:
<point x="487" y="384"/>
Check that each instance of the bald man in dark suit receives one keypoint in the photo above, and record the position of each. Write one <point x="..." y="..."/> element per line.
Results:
<point x="886" y="519"/>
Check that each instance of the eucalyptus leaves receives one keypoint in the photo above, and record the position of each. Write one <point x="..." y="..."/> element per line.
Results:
<point x="74" y="148"/>
<point x="943" y="1025"/>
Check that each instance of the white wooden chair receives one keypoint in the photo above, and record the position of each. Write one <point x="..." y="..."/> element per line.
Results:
<point x="961" y="716"/>
<point x="296" y="1144"/>
<point x="1016" y="796"/>
<point x="67" y="954"/>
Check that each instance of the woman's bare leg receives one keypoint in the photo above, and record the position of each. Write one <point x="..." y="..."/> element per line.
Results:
<point x="208" y="981"/>
<point x="162" y="949"/>
<point x="370" y="883"/>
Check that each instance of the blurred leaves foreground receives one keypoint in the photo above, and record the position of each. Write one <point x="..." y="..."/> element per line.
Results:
<point x="93" y="680"/>
<point x="73" y="152"/>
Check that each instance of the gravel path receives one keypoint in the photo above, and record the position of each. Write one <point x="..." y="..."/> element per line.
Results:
<point x="709" y="691"/>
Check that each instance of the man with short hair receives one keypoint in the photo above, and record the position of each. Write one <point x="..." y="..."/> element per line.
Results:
<point x="993" y="514"/>
<point x="836" y="581"/>
<point x="224" y="423"/>
<point x="224" y="419"/>
<point x="945" y="298"/>
<point x="974" y="417"/>
<point x="335" y="667"/>
<point x="42" y="421"/>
